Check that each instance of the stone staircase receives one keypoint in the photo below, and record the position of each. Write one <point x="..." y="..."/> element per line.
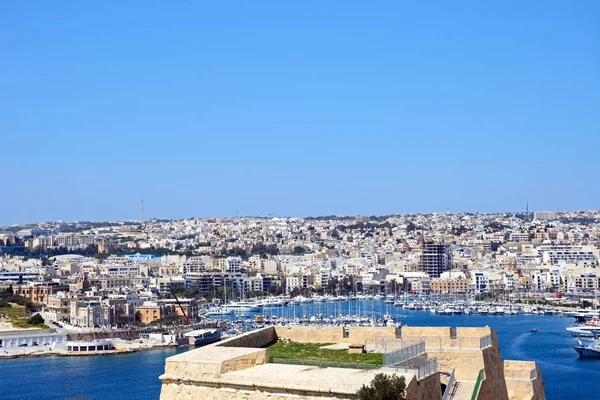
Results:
<point x="463" y="390"/>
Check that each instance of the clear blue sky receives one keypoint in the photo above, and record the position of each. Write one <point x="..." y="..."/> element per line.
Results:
<point x="297" y="109"/>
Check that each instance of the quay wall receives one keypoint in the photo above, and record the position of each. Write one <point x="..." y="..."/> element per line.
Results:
<point x="134" y="333"/>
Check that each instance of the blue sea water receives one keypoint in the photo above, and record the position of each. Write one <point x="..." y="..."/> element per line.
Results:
<point x="135" y="376"/>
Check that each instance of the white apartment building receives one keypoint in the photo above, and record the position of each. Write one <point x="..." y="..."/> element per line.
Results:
<point x="230" y="264"/>
<point x="519" y="237"/>
<point x="583" y="282"/>
<point x="194" y="265"/>
<point x="253" y="284"/>
<point x="584" y="256"/>
<point x="292" y="282"/>
<point x="509" y="281"/>
<point x="481" y="281"/>
<point x="545" y="215"/>
<point x="119" y="270"/>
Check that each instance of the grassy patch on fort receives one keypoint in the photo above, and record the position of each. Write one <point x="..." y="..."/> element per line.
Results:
<point x="313" y="352"/>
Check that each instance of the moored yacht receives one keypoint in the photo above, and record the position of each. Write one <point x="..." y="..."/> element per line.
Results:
<point x="242" y="306"/>
<point x="588" y="348"/>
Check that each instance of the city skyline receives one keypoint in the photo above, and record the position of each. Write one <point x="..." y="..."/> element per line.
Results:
<point x="237" y="215"/>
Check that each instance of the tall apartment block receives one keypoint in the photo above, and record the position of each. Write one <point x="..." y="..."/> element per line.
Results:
<point x="435" y="258"/>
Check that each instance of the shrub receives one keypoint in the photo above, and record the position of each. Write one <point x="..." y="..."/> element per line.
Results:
<point x="36" y="319"/>
<point x="383" y="387"/>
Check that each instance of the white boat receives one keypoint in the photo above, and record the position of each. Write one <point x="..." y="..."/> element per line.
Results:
<point x="219" y="311"/>
<point x="242" y="306"/>
<point x="497" y="311"/>
<point x="273" y="302"/>
<point x="201" y="337"/>
<point x="588" y="348"/>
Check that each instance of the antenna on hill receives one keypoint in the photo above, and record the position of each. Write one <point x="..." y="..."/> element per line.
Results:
<point x="142" y="210"/>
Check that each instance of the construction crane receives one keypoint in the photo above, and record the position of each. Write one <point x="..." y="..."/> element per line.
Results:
<point x="187" y="319"/>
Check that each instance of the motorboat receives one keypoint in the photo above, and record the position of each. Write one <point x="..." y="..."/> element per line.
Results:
<point x="590" y="328"/>
<point x="588" y="348"/>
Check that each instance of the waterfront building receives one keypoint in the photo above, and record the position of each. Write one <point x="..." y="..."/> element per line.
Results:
<point x="450" y="285"/>
<point x="31" y="337"/>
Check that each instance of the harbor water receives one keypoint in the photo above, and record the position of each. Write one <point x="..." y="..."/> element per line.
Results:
<point x="135" y="376"/>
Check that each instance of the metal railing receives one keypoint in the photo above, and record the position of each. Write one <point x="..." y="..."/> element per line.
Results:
<point x="404" y="353"/>
<point x="485" y="342"/>
<point x="480" y="377"/>
<point x="533" y="375"/>
<point x="429" y="368"/>
<point x="323" y="364"/>
<point x="449" y="387"/>
<point x="377" y="342"/>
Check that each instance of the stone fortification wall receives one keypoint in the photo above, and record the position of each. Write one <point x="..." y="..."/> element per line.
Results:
<point x="333" y="334"/>
<point x="223" y="371"/>
<point x="259" y="338"/>
<point x="494" y="385"/>
<point x="524" y="380"/>
<point x="227" y="371"/>
<point x="460" y="350"/>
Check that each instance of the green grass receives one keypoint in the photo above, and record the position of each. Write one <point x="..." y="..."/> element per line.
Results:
<point x="311" y="351"/>
<point x="18" y="316"/>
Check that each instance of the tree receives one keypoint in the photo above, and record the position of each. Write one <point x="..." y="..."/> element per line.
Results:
<point x="299" y="250"/>
<point x="37" y="319"/>
<point x="384" y="387"/>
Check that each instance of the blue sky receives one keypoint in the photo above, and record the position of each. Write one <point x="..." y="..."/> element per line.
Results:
<point x="297" y="109"/>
